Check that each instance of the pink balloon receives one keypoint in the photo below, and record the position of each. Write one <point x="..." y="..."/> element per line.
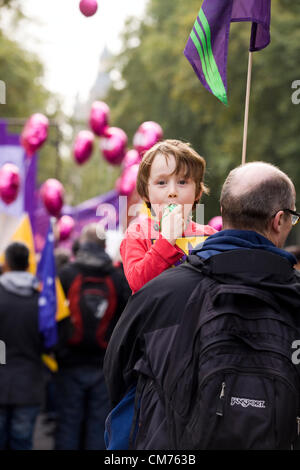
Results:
<point x="152" y="126"/>
<point x="131" y="158"/>
<point x="34" y="133"/>
<point x="83" y="146"/>
<point x="99" y="117"/>
<point x="128" y="180"/>
<point x="113" y="146"/>
<point x="9" y="183"/>
<point x="216" y="223"/>
<point x="52" y="193"/>
<point x="147" y="135"/>
<point x="65" y="226"/>
<point x="88" y="7"/>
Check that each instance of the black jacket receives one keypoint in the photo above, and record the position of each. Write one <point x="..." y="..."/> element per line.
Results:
<point x="142" y="339"/>
<point x="22" y="375"/>
<point x="94" y="262"/>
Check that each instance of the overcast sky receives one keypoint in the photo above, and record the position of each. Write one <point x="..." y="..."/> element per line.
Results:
<point x="70" y="44"/>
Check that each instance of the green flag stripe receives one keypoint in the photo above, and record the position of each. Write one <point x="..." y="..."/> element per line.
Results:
<point x="213" y="88"/>
<point x="216" y="74"/>
<point x="206" y="57"/>
<point x="200" y="52"/>
<point x="212" y="71"/>
<point x="214" y="66"/>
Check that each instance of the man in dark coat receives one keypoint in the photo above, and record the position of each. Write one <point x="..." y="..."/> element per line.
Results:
<point x="258" y="210"/>
<point x="21" y="375"/>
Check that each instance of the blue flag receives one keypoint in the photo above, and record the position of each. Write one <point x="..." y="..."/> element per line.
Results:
<point x="46" y="273"/>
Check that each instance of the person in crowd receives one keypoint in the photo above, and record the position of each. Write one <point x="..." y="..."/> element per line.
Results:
<point x="171" y="173"/>
<point x="75" y="247"/>
<point x="22" y="373"/>
<point x="62" y="257"/>
<point x="295" y="250"/>
<point x="206" y="347"/>
<point x="96" y="298"/>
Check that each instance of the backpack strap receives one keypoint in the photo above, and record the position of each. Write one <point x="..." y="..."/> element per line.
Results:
<point x="258" y="261"/>
<point x="234" y="261"/>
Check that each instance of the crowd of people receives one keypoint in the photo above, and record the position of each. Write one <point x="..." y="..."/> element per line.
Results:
<point x="164" y="350"/>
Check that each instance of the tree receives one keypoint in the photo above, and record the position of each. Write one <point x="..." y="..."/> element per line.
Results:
<point x="157" y="83"/>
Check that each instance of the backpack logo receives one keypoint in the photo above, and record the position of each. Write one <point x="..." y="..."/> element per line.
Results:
<point x="245" y="402"/>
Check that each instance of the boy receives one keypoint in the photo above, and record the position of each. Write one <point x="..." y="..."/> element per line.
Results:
<point x="171" y="172"/>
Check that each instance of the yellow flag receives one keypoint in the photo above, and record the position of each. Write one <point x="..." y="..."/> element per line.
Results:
<point x="62" y="309"/>
<point x="23" y="233"/>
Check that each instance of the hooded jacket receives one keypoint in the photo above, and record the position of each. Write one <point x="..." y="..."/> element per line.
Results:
<point x="93" y="261"/>
<point x="21" y="376"/>
<point x="143" y="338"/>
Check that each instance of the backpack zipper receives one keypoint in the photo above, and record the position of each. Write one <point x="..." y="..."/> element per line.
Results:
<point x="267" y="372"/>
<point x="221" y="401"/>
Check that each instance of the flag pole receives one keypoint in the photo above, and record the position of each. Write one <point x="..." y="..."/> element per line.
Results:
<point x="247" y="109"/>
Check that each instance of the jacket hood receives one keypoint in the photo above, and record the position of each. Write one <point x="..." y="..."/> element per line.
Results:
<point x="92" y="255"/>
<point x="19" y="282"/>
<point x="253" y="267"/>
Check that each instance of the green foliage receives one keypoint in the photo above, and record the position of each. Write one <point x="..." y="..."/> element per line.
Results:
<point x="22" y="73"/>
<point x="160" y="85"/>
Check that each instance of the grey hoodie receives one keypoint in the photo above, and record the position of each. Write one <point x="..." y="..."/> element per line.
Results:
<point x="19" y="282"/>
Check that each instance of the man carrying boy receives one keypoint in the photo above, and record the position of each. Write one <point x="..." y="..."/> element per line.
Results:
<point x="208" y="344"/>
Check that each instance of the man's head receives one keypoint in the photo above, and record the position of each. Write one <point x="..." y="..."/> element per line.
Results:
<point x="93" y="233"/>
<point x="255" y="197"/>
<point x="173" y="160"/>
<point x="16" y="257"/>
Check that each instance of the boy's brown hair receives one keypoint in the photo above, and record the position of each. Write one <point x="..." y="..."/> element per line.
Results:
<point x="186" y="158"/>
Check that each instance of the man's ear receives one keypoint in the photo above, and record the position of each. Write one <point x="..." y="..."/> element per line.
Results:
<point x="5" y="267"/>
<point x="277" y="221"/>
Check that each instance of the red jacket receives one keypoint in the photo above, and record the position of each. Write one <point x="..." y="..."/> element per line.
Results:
<point x="143" y="259"/>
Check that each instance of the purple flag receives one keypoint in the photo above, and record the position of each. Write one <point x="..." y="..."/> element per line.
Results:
<point x="207" y="46"/>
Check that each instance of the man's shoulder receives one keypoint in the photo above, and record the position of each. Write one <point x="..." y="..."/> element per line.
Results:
<point x="175" y="282"/>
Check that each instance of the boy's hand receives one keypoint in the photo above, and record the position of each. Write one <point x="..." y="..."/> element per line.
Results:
<point x="173" y="224"/>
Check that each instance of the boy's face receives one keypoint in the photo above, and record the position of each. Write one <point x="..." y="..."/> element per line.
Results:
<point x="165" y="187"/>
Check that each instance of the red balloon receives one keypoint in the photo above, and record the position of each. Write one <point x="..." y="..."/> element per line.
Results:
<point x="52" y="193"/>
<point x="131" y="158"/>
<point x="35" y="133"/>
<point x="216" y="222"/>
<point x="113" y="147"/>
<point x="9" y="183"/>
<point x="83" y="146"/>
<point x="99" y="117"/>
<point x="88" y="7"/>
<point x="65" y="226"/>
<point x="127" y="182"/>
<point x="147" y="135"/>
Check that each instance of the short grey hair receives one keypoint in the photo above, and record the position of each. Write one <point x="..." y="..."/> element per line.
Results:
<point x="254" y="208"/>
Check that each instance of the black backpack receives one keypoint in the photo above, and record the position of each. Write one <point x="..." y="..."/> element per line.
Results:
<point x="231" y="383"/>
<point x="92" y="302"/>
